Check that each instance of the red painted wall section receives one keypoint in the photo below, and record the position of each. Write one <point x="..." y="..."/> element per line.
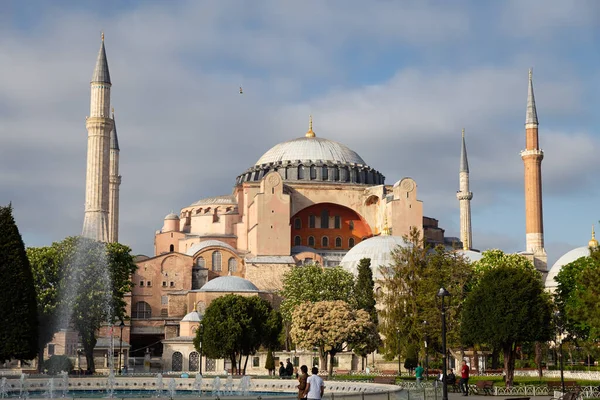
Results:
<point x="352" y="226"/>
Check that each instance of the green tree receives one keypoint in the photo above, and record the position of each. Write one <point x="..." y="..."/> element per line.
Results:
<point x="507" y="306"/>
<point x="235" y="326"/>
<point x="584" y="309"/>
<point x="45" y="265"/>
<point x="95" y="278"/>
<point x="408" y="295"/>
<point x="333" y="326"/>
<point x="270" y="362"/>
<point x="364" y="295"/>
<point x="18" y="307"/>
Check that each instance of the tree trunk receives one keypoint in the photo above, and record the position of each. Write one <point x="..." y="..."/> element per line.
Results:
<point x="495" y="358"/>
<point x="509" y="364"/>
<point x="323" y="360"/>
<point x="233" y="363"/>
<point x="331" y="355"/>
<point x="40" y="366"/>
<point x="538" y="359"/>
<point x="475" y="359"/>
<point x="362" y="359"/>
<point x="245" y="365"/>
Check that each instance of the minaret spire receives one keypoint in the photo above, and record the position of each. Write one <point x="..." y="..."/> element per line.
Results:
<point x="464" y="197"/>
<point x="532" y="160"/>
<point x="99" y="125"/>
<point x="114" y="184"/>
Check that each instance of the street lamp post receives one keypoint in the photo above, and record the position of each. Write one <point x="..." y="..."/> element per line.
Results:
<point x="444" y="293"/>
<point x="425" y="324"/>
<point x="558" y="322"/>
<point x="121" y="326"/>
<point x="399" y="360"/>
<point x="201" y="327"/>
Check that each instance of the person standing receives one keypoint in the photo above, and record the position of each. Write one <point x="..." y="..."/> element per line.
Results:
<point x="464" y="378"/>
<point x="419" y="373"/>
<point x="314" y="386"/>
<point x="281" y="370"/>
<point x="289" y="369"/>
<point x="302" y="382"/>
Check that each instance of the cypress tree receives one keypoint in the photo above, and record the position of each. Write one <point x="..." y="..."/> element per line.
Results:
<point x="18" y="308"/>
<point x="363" y="289"/>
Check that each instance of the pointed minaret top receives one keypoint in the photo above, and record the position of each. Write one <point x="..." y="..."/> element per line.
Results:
<point x="531" y="117"/>
<point x="101" y="73"/>
<point x="464" y="163"/>
<point x="310" y="132"/>
<point x="593" y="242"/>
<point x="114" y="140"/>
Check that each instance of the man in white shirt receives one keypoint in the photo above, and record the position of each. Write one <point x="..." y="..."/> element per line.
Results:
<point x="314" y="386"/>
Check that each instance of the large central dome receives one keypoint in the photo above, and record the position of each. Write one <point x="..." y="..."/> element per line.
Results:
<point x="313" y="159"/>
<point x="311" y="148"/>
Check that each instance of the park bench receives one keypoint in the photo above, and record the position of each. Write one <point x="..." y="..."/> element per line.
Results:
<point x="388" y="380"/>
<point x="342" y="371"/>
<point x="389" y="372"/>
<point x="485" y="387"/>
<point x="557" y="385"/>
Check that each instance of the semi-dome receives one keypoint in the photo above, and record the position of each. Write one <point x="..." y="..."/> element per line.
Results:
<point x="193" y="316"/>
<point x="378" y="249"/>
<point x="566" y="258"/>
<point x="310" y="158"/>
<point x="208" y="243"/>
<point x="229" y="284"/>
<point x="470" y="255"/>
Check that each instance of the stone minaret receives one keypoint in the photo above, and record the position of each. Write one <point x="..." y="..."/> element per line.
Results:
<point x="114" y="184"/>
<point x="532" y="159"/>
<point x="464" y="198"/>
<point x="98" y="124"/>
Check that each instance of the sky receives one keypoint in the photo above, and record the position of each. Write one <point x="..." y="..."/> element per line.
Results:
<point x="396" y="81"/>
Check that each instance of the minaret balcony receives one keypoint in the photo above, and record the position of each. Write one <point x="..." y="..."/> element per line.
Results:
<point x="532" y="152"/>
<point x="464" y="195"/>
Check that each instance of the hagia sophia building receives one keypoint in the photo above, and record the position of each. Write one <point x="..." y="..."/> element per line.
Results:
<point x="305" y="200"/>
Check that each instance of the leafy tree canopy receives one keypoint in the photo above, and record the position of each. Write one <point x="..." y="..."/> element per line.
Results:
<point x="582" y="307"/>
<point x="507" y="307"/>
<point x="331" y="326"/>
<point x="314" y="283"/>
<point x="18" y="306"/>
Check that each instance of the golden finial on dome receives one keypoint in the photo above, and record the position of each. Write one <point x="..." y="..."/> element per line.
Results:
<point x="310" y="132"/>
<point x="102" y="36"/>
<point x="593" y="242"/>
<point x="386" y="229"/>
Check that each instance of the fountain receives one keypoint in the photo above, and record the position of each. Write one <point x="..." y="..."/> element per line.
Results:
<point x="172" y="387"/>
<point x="198" y="384"/>
<point x="23" y="391"/>
<point x="3" y="388"/>
<point x="244" y="385"/>
<point x="229" y="384"/>
<point x="159" y="385"/>
<point x="216" y="386"/>
<point x="64" y="378"/>
<point x="50" y="392"/>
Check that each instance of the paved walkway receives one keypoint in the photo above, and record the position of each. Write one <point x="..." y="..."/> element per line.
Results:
<point x="458" y="396"/>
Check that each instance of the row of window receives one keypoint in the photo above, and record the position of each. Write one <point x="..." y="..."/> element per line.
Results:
<point x="312" y="221"/>
<point x="324" y="241"/>
<point x="217" y="260"/>
<point x="149" y="284"/>
<point x="194" y="362"/>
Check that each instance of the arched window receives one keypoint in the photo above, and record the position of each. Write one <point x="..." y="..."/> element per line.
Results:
<point x="216" y="261"/>
<point x="351" y="225"/>
<point x="297" y="223"/>
<point x="311" y="241"/>
<point x="171" y="248"/>
<point x="338" y="242"/>
<point x="177" y="362"/>
<point x="232" y="265"/>
<point x="141" y="310"/>
<point x="325" y="219"/>
<point x="324" y="241"/>
<point x="337" y="222"/>
<point x="194" y="361"/>
<point x="297" y="241"/>
<point x="351" y="242"/>
<point x="200" y="262"/>
<point x="313" y="172"/>
<point x="311" y="221"/>
<point x="325" y="173"/>
<point x="300" y="172"/>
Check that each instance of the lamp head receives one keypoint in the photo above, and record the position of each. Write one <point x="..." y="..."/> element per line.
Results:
<point x="122" y="324"/>
<point x="443" y="292"/>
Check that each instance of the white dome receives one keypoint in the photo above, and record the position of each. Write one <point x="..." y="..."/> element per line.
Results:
<point x="207" y="243"/>
<point x="194" y="316"/>
<point x="378" y="249"/>
<point x="229" y="284"/>
<point x="470" y="255"/>
<point x="311" y="148"/>
<point x="567" y="258"/>
<point x="172" y="216"/>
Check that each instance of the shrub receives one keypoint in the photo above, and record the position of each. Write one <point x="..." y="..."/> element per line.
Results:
<point x="57" y="364"/>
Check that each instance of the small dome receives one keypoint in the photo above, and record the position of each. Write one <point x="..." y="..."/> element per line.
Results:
<point x="194" y="316"/>
<point x="229" y="284"/>
<point x="470" y="255"/>
<point x="378" y="249"/>
<point x="567" y="258"/>
<point x="172" y="216"/>
<point x="207" y="243"/>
